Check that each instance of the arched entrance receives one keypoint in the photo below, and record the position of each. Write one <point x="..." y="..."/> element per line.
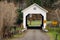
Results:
<point x="35" y="21"/>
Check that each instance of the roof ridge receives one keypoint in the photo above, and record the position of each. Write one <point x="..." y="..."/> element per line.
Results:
<point x="35" y="5"/>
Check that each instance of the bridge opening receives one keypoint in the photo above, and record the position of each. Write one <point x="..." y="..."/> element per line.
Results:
<point x="34" y="21"/>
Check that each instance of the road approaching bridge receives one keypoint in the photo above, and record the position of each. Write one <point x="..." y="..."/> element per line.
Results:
<point x="34" y="34"/>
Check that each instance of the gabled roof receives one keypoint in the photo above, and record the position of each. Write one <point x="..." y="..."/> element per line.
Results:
<point x="34" y="5"/>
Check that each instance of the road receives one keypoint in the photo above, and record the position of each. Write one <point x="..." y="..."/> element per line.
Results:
<point x="34" y="34"/>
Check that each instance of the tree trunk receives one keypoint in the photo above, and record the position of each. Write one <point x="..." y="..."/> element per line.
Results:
<point x="57" y="13"/>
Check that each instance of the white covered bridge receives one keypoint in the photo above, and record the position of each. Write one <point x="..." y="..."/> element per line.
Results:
<point x="34" y="9"/>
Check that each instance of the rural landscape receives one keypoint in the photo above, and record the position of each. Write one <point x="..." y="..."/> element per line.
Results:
<point x="42" y="23"/>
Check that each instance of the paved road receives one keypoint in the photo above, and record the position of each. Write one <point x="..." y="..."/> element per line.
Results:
<point x="34" y="35"/>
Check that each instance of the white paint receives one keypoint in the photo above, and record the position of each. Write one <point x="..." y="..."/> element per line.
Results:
<point x="34" y="9"/>
<point x="30" y="15"/>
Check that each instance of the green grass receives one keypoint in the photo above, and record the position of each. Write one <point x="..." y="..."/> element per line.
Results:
<point x="34" y="23"/>
<point x="19" y="28"/>
<point x="52" y="33"/>
<point x="16" y="36"/>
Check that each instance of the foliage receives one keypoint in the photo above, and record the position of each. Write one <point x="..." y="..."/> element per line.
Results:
<point x="43" y="3"/>
<point x="49" y="3"/>
<point x="29" y="2"/>
<point x="19" y="17"/>
<point x="53" y="31"/>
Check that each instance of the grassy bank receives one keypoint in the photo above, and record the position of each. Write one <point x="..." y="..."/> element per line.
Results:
<point x="52" y="33"/>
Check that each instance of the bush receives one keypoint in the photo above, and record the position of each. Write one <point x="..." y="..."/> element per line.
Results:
<point x="56" y="29"/>
<point x="49" y="28"/>
<point x="19" y="17"/>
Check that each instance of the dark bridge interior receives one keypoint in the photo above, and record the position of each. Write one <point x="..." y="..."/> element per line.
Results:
<point x="34" y="27"/>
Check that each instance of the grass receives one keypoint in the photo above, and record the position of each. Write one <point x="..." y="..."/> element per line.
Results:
<point x="19" y="28"/>
<point x="34" y="23"/>
<point x="52" y="33"/>
<point x="16" y="36"/>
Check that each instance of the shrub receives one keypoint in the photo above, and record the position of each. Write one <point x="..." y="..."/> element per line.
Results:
<point x="19" y="17"/>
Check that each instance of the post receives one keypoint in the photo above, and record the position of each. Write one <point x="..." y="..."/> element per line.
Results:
<point x="56" y="36"/>
<point x="30" y="18"/>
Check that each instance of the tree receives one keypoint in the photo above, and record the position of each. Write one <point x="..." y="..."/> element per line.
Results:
<point x="48" y="3"/>
<point x="29" y="2"/>
<point x="57" y="12"/>
<point x="19" y="17"/>
<point x="7" y="16"/>
<point x="43" y="3"/>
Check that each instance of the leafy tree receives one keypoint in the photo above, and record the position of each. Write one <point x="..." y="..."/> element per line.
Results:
<point x="29" y="2"/>
<point x="20" y="17"/>
<point x="43" y="3"/>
